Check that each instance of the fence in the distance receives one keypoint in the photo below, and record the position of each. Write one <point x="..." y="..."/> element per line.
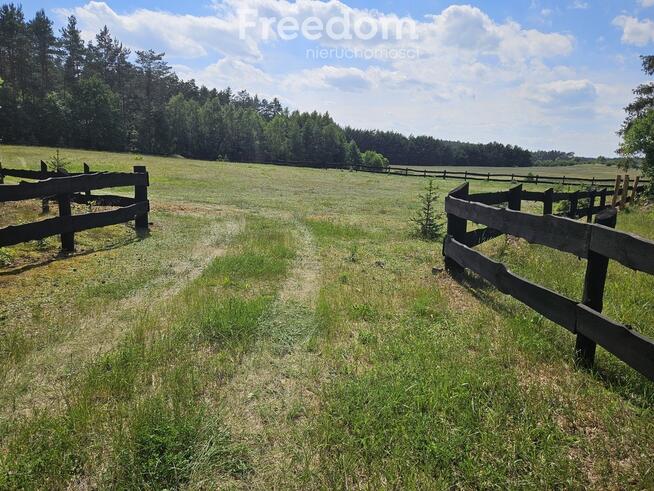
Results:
<point x="466" y="175"/>
<point x="491" y="177"/>
<point x="74" y="188"/>
<point x="598" y="243"/>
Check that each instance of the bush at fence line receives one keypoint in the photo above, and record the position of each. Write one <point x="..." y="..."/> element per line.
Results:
<point x="427" y="219"/>
<point x="59" y="164"/>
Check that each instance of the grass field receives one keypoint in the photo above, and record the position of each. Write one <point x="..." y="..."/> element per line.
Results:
<point x="283" y="328"/>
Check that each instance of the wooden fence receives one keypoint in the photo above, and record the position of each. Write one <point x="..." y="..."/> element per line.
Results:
<point x="598" y="243"/>
<point x="74" y="188"/>
<point x="490" y="177"/>
<point x="464" y="174"/>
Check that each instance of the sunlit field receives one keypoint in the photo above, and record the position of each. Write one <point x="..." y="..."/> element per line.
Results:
<point x="286" y="328"/>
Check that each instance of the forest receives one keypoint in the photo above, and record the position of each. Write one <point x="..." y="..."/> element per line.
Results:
<point x="59" y="91"/>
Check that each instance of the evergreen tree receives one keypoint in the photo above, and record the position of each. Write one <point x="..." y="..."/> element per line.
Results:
<point x="73" y="53"/>
<point x="44" y="48"/>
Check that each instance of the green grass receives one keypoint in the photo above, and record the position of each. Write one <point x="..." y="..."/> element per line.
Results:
<point x="282" y="328"/>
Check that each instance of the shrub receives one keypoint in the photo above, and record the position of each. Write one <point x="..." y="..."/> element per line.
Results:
<point x="58" y="164"/>
<point x="374" y="159"/>
<point x="427" y="219"/>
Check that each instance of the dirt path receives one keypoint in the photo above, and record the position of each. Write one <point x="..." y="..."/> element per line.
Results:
<point x="46" y="373"/>
<point x="269" y="400"/>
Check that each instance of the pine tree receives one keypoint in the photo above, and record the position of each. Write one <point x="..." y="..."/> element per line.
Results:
<point x="73" y="53"/>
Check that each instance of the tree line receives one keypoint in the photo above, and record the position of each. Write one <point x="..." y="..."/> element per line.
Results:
<point x="60" y="91"/>
<point x="428" y="151"/>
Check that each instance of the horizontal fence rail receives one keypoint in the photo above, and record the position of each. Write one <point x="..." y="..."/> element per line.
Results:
<point x="70" y="184"/>
<point x="463" y="174"/>
<point x="597" y="242"/>
<point x="74" y="188"/>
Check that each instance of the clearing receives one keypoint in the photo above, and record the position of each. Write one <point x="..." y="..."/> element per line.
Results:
<point x="282" y="328"/>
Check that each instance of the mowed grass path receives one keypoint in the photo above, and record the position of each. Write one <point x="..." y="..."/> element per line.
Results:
<point x="282" y="328"/>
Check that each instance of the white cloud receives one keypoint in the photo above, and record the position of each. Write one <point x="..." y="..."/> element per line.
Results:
<point x="512" y="79"/>
<point x="635" y="31"/>
<point x="231" y="72"/>
<point x="568" y="93"/>
<point x="459" y="27"/>
<point x="185" y="36"/>
<point x="646" y="3"/>
<point x="579" y="5"/>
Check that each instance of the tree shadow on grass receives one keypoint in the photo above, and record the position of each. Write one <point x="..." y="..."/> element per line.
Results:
<point x="62" y="256"/>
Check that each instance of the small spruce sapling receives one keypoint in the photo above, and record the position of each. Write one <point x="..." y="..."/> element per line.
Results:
<point x="58" y="164"/>
<point x="427" y="221"/>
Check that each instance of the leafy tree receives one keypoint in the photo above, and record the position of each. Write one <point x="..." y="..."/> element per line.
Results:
<point x="638" y="139"/>
<point x="96" y="115"/>
<point x="353" y="154"/>
<point x="374" y="159"/>
<point x="638" y="129"/>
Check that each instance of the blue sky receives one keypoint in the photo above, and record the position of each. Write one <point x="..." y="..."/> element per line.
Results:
<point x="541" y="74"/>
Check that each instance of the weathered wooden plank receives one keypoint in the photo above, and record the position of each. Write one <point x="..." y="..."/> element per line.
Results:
<point x="69" y="185"/>
<point x="533" y="196"/>
<point x="494" y="198"/>
<point x="635" y="350"/>
<point x="551" y="305"/>
<point x="16" y="234"/>
<point x="106" y="218"/>
<point x="629" y="250"/>
<point x="556" y="232"/>
<point x="481" y="235"/>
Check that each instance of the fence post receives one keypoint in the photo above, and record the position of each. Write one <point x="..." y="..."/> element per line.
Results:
<point x="563" y="184"/>
<point x="445" y="174"/>
<point x="574" y="204"/>
<point x="515" y="198"/>
<point x="537" y="178"/>
<point x="457" y="228"/>
<point x="488" y="177"/>
<point x="616" y="190"/>
<point x="548" y="201"/>
<point x="591" y="205"/>
<point x="2" y="177"/>
<point x="634" y="195"/>
<point x="45" y="202"/>
<point x="625" y="192"/>
<point x="594" y="289"/>
<point x="140" y="195"/>
<point x="68" y="238"/>
<point x="603" y="199"/>
<point x="87" y="170"/>
<point x="465" y="177"/>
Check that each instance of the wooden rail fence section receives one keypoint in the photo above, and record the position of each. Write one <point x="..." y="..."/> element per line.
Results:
<point x="597" y="242"/>
<point x="74" y="188"/>
<point x="508" y="178"/>
<point x="463" y="175"/>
